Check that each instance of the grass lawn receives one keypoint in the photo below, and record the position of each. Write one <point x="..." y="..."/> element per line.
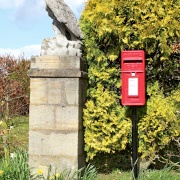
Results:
<point x="116" y="175"/>
<point x="146" y="175"/>
<point x="19" y="134"/>
<point x="18" y="138"/>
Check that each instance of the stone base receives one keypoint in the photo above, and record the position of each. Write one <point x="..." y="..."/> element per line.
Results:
<point x="57" y="99"/>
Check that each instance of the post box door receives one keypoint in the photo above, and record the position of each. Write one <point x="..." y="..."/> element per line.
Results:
<point x="133" y="78"/>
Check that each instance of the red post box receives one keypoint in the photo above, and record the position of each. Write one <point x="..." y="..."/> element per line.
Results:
<point x="133" y="77"/>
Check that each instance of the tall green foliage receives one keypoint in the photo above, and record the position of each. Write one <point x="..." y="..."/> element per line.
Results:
<point x="110" y="26"/>
<point x="159" y="123"/>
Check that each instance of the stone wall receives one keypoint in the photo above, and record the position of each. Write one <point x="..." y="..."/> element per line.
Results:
<point x="57" y="97"/>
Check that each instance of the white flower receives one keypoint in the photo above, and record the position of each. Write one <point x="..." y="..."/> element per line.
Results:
<point x="11" y="127"/>
<point x="12" y="155"/>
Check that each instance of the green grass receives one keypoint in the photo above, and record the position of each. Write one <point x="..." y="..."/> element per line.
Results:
<point x="15" y="168"/>
<point x="115" y="175"/>
<point x="17" y="135"/>
<point x="18" y="139"/>
<point x="163" y="174"/>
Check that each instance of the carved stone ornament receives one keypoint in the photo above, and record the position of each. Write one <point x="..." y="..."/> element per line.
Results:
<point x="67" y="41"/>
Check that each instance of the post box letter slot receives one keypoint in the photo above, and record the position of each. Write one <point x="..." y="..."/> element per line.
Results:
<point x="132" y="61"/>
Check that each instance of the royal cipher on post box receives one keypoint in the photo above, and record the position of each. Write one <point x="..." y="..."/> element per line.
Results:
<point x="133" y="77"/>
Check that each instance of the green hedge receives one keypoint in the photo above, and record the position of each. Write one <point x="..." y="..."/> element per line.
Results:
<point x="110" y="26"/>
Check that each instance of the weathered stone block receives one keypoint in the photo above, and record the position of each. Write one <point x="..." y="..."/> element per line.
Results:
<point x="72" y="91"/>
<point x="54" y="91"/>
<point x="58" y="62"/>
<point x="38" y="94"/>
<point x="57" y="163"/>
<point x="54" y="143"/>
<point x="56" y="106"/>
<point x="42" y="116"/>
<point x="68" y="116"/>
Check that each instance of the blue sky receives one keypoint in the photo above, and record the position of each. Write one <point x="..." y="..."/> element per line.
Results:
<point x="25" y="23"/>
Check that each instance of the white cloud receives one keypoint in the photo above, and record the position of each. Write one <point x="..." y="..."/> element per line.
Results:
<point x="27" y="51"/>
<point x="24" y="11"/>
<point x="76" y="6"/>
<point x="74" y="3"/>
<point x="14" y="4"/>
<point x="29" y="10"/>
<point x="33" y="6"/>
<point x="10" y="4"/>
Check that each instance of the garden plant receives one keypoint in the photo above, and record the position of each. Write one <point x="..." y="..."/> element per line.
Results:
<point x="109" y="27"/>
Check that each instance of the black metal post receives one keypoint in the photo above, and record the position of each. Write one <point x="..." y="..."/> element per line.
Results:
<point x="134" y="143"/>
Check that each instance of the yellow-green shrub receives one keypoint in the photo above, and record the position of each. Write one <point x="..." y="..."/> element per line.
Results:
<point x="110" y="26"/>
<point x="160" y="123"/>
<point x="107" y="128"/>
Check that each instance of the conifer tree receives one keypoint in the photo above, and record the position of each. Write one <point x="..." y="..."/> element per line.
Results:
<point x="110" y="26"/>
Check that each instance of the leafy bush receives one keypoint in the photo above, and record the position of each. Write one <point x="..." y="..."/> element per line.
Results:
<point x="107" y="128"/>
<point x="160" y="123"/>
<point x="14" y="89"/>
<point x="109" y="27"/>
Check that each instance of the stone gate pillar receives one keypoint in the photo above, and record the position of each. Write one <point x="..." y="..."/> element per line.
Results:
<point x="57" y="97"/>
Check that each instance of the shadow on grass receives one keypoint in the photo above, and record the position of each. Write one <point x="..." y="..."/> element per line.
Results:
<point x="107" y="163"/>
